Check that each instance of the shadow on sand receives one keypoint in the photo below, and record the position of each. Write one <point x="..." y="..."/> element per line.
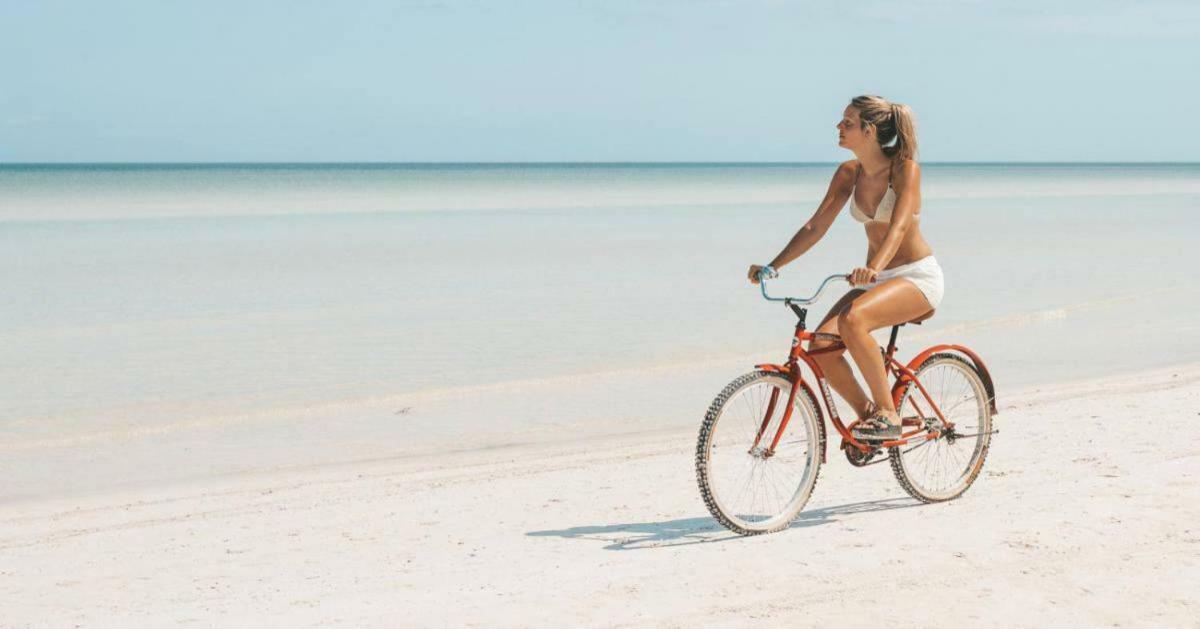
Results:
<point x="705" y="530"/>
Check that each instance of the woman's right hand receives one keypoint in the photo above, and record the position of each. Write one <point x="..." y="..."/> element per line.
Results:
<point x="754" y="272"/>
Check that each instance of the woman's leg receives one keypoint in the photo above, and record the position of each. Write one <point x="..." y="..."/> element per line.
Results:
<point x="834" y="364"/>
<point x="895" y="301"/>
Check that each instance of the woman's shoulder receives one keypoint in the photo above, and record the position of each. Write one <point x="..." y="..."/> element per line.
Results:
<point x="844" y="176"/>
<point x="906" y="167"/>
<point x="906" y="171"/>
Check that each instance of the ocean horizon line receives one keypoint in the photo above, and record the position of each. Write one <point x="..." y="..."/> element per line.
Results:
<point x="544" y="164"/>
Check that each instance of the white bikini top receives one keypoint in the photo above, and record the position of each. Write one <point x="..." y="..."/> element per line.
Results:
<point x="883" y="212"/>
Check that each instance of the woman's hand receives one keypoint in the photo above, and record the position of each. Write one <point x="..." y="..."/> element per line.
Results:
<point x="755" y="270"/>
<point x="862" y="275"/>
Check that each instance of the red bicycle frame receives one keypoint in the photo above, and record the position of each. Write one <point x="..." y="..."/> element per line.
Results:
<point x="902" y="373"/>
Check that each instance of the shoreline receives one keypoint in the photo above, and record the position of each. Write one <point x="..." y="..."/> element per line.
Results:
<point x="440" y="457"/>
<point x="1094" y="526"/>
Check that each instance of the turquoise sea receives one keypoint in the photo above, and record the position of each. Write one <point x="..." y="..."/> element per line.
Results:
<point x="199" y="317"/>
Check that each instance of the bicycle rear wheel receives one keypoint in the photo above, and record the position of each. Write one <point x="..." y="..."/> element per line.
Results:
<point x="749" y="488"/>
<point x="942" y="469"/>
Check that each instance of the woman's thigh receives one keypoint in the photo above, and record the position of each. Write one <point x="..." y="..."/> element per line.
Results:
<point x="892" y="302"/>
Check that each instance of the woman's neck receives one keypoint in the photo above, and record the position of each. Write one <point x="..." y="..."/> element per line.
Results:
<point x="873" y="160"/>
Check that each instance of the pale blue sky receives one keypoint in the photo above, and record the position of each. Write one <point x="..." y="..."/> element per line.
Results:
<point x="591" y="80"/>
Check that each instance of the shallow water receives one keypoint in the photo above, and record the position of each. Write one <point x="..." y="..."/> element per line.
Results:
<point x="136" y="296"/>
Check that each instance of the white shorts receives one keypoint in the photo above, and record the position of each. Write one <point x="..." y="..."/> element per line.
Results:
<point x="926" y="273"/>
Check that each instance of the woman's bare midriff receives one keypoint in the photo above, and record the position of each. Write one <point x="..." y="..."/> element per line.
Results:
<point x="911" y="249"/>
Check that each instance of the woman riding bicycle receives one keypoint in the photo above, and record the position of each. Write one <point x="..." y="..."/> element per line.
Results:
<point x="901" y="280"/>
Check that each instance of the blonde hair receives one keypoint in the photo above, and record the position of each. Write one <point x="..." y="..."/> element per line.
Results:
<point x="892" y="121"/>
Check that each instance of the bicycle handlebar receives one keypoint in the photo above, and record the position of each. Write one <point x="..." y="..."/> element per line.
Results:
<point x="762" y="282"/>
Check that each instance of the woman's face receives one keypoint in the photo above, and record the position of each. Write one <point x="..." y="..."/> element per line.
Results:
<point x="851" y="135"/>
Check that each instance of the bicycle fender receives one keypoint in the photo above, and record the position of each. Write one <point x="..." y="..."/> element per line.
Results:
<point x="971" y="355"/>
<point x="774" y="368"/>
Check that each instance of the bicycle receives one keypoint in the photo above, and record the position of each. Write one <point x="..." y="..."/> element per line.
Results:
<point x="757" y="467"/>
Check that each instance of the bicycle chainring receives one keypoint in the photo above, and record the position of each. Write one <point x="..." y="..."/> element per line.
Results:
<point x="857" y="457"/>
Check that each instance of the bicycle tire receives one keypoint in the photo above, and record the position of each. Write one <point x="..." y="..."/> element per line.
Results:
<point x="805" y="419"/>
<point x="904" y="466"/>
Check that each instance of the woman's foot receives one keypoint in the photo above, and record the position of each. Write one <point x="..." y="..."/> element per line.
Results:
<point x="883" y="425"/>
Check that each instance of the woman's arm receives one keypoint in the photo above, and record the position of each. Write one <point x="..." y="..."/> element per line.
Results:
<point x="815" y="228"/>
<point x="908" y="200"/>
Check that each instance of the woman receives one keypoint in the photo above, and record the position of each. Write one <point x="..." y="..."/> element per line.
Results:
<point x="901" y="280"/>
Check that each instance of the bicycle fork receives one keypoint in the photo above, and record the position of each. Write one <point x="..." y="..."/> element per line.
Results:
<point x="757" y="450"/>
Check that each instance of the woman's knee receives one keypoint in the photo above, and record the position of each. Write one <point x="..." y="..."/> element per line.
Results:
<point x="851" y="318"/>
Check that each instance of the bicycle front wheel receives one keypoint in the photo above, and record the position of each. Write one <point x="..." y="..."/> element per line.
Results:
<point x="749" y="487"/>
<point x="942" y="469"/>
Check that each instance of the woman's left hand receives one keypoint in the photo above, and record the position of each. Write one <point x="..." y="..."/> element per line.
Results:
<point x="862" y="275"/>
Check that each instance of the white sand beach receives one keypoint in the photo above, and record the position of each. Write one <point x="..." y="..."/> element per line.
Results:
<point x="408" y="314"/>
<point x="1087" y="514"/>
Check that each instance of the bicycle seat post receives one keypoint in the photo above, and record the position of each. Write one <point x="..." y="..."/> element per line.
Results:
<point x="891" y="347"/>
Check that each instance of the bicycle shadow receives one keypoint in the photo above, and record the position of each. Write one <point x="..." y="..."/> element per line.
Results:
<point x="706" y="530"/>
